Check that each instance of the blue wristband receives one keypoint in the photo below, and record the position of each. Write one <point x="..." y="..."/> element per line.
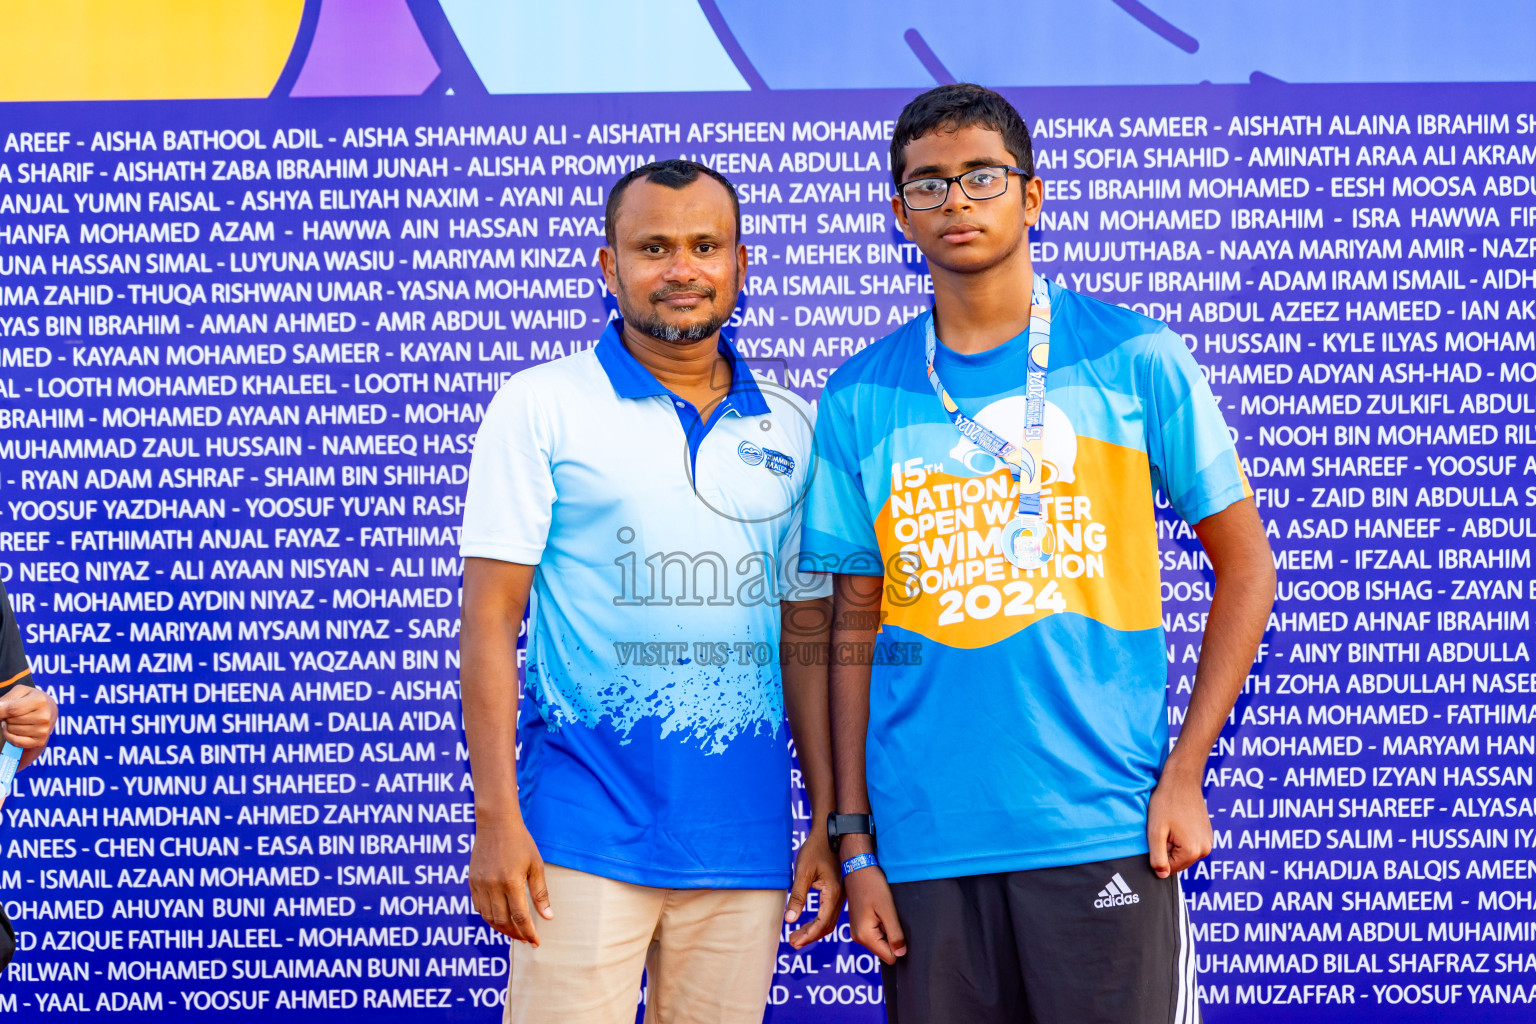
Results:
<point x="863" y="860"/>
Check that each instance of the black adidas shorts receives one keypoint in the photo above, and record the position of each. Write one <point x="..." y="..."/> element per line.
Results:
<point x="1102" y="943"/>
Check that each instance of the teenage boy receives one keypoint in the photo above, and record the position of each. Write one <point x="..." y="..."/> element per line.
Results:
<point x="646" y="494"/>
<point x="984" y="498"/>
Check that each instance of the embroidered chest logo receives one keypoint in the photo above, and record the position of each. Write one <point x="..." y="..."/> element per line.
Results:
<point x="779" y="462"/>
<point x="752" y="455"/>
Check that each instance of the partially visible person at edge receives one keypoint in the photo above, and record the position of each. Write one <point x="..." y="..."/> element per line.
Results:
<point x="984" y="494"/>
<point x="27" y="717"/>
<point x="642" y="499"/>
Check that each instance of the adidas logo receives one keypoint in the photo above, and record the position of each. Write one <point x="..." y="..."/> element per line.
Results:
<point x="1116" y="894"/>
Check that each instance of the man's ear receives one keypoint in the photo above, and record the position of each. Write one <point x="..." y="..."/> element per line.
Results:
<point x="608" y="260"/>
<point x="899" y="210"/>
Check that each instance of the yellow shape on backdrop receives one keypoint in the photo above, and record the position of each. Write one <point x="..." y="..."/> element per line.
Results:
<point x="144" y="49"/>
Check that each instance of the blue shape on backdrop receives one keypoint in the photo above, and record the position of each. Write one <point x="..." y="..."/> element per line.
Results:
<point x="1148" y="17"/>
<point x="930" y="60"/>
<point x="611" y="46"/>
<point x="812" y="44"/>
<point x="593" y="46"/>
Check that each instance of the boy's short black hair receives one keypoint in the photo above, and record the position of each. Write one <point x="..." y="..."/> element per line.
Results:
<point x="677" y="174"/>
<point x="956" y="106"/>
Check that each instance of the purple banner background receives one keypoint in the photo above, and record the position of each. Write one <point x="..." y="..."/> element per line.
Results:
<point x="1352" y="265"/>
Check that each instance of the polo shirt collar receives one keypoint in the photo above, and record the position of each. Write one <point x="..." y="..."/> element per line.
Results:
<point x="632" y="380"/>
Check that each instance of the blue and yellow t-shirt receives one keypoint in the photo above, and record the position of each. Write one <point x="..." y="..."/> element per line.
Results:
<point x="1025" y="724"/>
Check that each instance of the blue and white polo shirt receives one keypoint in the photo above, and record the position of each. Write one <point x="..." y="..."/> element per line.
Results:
<point x="654" y="746"/>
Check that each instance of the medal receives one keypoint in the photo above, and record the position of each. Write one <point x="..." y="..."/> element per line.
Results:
<point x="1024" y="541"/>
<point x="1027" y="542"/>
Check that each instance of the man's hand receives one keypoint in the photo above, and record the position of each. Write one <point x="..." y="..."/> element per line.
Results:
<point x="27" y="717"/>
<point x="1178" y="825"/>
<point x="504" y="869"/>
<point x="872" y="914"/>
<point x="815" y="867"/>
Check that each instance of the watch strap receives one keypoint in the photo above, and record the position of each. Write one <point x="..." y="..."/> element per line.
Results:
<point x="839" y="825"/>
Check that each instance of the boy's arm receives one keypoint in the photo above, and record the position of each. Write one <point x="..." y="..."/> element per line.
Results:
<point x="805" y="631"/>
<point x="855" y="623"/>
<point x="1178" y="825"/>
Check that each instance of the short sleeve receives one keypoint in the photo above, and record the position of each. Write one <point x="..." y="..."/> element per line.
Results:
<point x="838" y="535"/>
<point x="14" y="670"/>
<point x="796" y="582"/>
<point x="1188" y="443"/>
<point x="511" y="493"/>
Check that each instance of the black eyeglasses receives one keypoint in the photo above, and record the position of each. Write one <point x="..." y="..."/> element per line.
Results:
<point x="977" y="183"/>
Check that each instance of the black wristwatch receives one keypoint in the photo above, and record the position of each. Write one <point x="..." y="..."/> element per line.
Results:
<point x="839" y="825"/>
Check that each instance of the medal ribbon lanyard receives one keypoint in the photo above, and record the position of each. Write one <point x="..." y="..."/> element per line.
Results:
<point x="1024" y="460"/>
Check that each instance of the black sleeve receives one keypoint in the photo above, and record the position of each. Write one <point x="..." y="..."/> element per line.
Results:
<point x="13" y="660"/>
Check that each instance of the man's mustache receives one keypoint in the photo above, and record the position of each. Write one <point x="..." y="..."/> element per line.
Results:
<point x="702" y="291"/>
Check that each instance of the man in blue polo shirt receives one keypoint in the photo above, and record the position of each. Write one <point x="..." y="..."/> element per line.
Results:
<point x="641" y="499"/>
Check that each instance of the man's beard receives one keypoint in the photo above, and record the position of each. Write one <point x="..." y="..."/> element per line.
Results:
<point x="653" y="325"/>
<point x="663" y="331"/>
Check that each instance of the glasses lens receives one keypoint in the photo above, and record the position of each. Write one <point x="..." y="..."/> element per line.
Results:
<point x="925" y="193"/>
<point x="985" y="182"/>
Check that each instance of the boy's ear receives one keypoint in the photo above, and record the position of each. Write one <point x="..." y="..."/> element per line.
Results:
<point x="1034" y="200"/>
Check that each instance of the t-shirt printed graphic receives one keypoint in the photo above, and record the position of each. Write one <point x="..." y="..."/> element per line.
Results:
<point x="1031" y="730"/>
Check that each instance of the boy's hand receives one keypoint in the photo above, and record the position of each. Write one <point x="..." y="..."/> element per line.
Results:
<point x="872" y="914"/>
<point x="1178" y="826"/>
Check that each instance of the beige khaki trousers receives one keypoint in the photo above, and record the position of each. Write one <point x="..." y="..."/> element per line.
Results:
<point x="708" y="954"/>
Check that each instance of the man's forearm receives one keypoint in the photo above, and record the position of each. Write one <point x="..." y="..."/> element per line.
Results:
<point x="855" y="623"/>
<point x="806" y="629"/>
<point x="490" y="717"/>
<point x="489" y="690"/>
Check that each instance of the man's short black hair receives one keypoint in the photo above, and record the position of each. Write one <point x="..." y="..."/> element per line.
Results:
<point x="953" y="107"/>
<point x="676" y="174"/>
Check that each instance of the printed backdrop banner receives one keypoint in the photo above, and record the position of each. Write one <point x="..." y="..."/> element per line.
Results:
<point x="261" y="274"/>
